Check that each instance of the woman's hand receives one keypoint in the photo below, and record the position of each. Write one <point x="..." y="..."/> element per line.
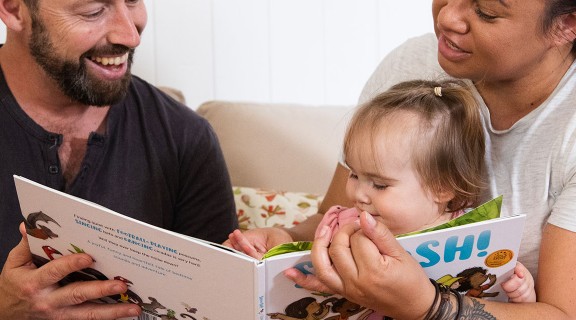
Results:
<point x="366" y="264"/>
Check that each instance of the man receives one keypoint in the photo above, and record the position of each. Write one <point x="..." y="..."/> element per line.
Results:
<point x="73" y="118"/>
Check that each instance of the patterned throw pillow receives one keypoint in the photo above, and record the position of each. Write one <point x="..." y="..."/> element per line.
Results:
<point x="257" y="208"/>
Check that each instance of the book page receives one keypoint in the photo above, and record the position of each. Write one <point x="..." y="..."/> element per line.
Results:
<point x="168" y="275"/>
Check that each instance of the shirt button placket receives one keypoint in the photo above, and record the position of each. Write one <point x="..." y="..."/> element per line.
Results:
<point x="53" y="169"/>
<point x="55" y="141"/>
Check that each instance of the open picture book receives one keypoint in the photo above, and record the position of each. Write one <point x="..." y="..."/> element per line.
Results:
<point x="173" y="276"/>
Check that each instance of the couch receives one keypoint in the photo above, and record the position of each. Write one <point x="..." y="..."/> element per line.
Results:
<point x="280" y="157"/>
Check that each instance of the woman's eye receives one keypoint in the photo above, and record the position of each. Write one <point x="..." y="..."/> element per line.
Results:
<point x="484" y="16"/>
<point x="353" y="176"/>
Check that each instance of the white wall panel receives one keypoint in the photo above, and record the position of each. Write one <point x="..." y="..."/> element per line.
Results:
<point x="400" y="20"/>
<point x="297" y="51"/>
<point x="351" y="48"/>
<point x="145" y="57"/>
<point x="241" y="50"/>
<point x="2" y="32"/>
<point x="184" y="48"/>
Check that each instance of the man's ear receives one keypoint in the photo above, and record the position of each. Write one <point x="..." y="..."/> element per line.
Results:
<point x="12" y="13"/>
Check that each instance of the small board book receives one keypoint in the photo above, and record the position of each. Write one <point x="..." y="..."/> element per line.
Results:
<point x="173" y="276"/>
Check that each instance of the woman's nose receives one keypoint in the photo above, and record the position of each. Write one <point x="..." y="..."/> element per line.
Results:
<point x="451" y="17"/>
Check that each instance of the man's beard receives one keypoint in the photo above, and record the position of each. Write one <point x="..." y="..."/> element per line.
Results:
<point x="72" y="76"/>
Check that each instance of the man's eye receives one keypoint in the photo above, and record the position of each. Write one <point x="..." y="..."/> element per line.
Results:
<point x="353" y="176"/>
<point x="94" y="14"/>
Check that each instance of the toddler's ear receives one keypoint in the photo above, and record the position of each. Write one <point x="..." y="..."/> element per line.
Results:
<point x="443" y="196"/>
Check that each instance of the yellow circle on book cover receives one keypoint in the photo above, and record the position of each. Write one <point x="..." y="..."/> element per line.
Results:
<point x="498" y="258"/>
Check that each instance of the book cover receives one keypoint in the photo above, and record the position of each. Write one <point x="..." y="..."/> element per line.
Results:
<point x="172" y="276"/>
<point x="472" y="254"/>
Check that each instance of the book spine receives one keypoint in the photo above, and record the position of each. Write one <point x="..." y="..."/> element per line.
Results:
<point x="260" y="292"/>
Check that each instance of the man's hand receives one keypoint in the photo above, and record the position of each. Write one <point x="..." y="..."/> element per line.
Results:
<point x="33" y="293"/>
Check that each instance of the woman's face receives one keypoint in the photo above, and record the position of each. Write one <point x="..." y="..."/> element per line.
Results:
<point x="492" y="40"/>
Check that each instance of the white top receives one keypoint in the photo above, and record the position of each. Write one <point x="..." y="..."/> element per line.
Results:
<point x="533" y="164"/>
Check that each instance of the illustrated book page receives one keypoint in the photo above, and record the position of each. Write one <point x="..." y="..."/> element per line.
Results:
<point x="169" y="275"/>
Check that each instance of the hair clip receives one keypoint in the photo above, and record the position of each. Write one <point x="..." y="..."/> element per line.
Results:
<point x="438" y="91"/>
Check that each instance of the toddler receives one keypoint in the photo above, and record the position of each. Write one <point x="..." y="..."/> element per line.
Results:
<point x="416" y="160"/>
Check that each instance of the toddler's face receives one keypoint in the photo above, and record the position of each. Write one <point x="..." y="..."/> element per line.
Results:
<point x="384" y="182"/>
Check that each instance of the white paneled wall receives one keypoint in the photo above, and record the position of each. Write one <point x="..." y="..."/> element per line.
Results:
<point x="317" y="52"/>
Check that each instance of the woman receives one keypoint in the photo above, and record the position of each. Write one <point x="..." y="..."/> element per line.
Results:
<point x="519" y="55"/>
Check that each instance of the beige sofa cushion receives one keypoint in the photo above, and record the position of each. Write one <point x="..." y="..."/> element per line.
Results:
<point x="283" y="147"/>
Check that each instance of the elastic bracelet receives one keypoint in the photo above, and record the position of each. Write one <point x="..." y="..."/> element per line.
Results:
<point x="444" y="302"/>
<point x="444" y="306"/>
<point x="436" y="296"/>
<point x="459" y="303"/>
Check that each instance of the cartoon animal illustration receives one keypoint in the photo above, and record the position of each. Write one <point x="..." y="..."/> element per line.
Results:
<point x="449" y="281"/>
<point x="170" y="315"/>
<point x="345" y="308"/>
<point x="129" y="296"/>
<point x="77" y="250"/>
<point x="152" y="305"/>
<point x="188" y="308"/>
<point x="306" y="308"/>
<point x="86" y="274"/>
<point x="39" y="231"/>
<point x="472" y="281"/>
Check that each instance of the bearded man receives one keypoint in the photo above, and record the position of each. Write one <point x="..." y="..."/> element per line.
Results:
<point x="72" y="117"/>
